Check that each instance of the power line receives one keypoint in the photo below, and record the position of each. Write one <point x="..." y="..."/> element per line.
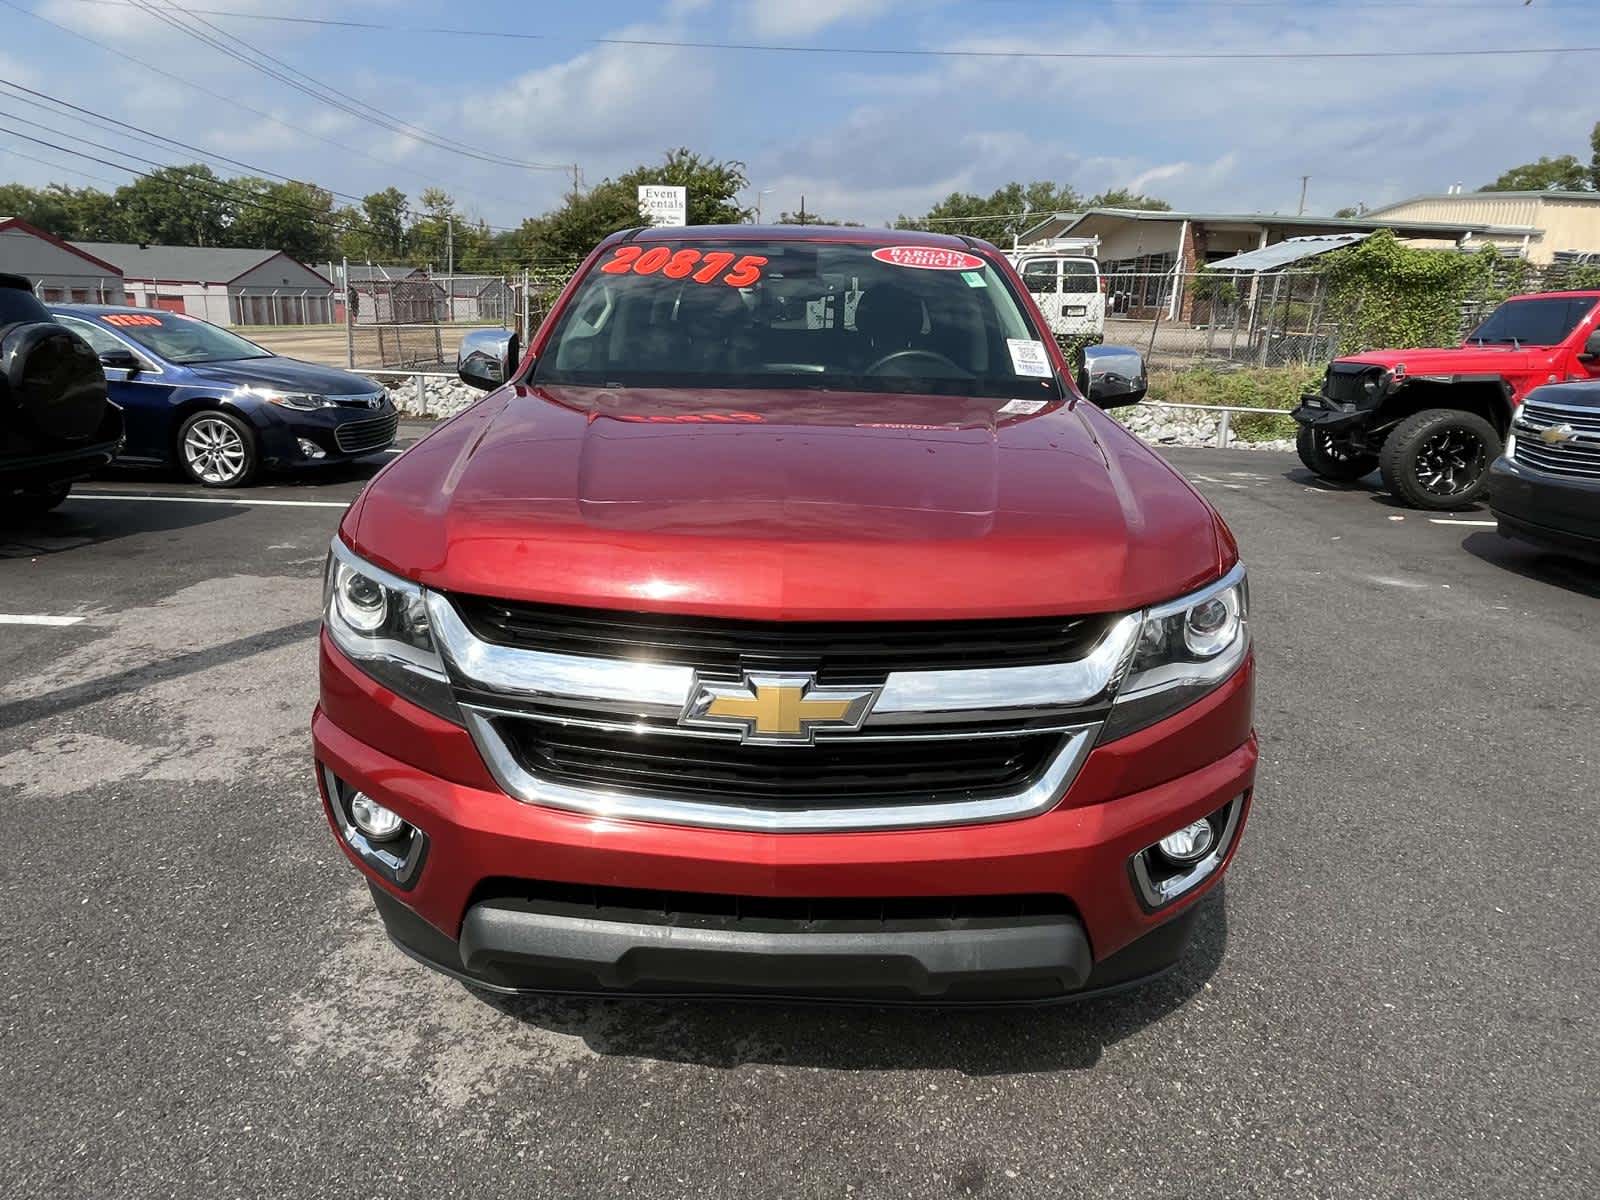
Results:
<point x="149" y="138"/>
<point x="215" y="95"/>
<point x="918" y="52"/>
<point x="175" y="16"/>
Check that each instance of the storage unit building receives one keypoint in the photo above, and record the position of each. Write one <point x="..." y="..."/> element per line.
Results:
<point x="59" y="271"/>
<point x="221" y="284"/>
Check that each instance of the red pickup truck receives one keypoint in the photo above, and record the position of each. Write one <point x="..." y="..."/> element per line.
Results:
<point x="1433" y="420"/>
<point x="786" y="623"/>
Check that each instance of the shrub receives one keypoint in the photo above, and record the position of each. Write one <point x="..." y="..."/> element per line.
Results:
<point x="1260" y="387"/>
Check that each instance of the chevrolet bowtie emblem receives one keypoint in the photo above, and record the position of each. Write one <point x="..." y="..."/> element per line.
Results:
<point x="776" y="707"/>
<point x="1554" y="435"/>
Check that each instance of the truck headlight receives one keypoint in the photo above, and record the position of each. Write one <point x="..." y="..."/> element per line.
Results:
<point x="1185" y="648"/>
<point x="380" y="621"/>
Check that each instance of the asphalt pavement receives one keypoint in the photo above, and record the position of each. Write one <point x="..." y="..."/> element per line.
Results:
<point x="1393" y="996"/>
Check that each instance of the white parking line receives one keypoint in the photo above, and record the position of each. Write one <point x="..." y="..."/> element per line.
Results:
<point x="1448" y="521"/>
<point x="36" y="619"/>
<point x="209" y="500"/>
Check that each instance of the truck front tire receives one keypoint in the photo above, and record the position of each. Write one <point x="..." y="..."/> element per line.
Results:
<point x="1325" y="459"/>
<point x="1439" y="458"/>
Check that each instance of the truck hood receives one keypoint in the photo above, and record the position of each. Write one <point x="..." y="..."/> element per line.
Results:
<point x="789" y="505"/>
<point x="1458" y="360"/>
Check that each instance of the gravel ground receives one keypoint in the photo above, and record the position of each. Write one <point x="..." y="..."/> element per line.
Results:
<point x="1394" y="996"/>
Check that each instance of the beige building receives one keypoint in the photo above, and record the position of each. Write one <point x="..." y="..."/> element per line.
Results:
<point x="1557" y="221"/>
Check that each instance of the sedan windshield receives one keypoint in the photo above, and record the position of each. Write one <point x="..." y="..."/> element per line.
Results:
<point x="1542" y="322"/>
<point x="181" y="339"/>
<point x="797" y="314"/>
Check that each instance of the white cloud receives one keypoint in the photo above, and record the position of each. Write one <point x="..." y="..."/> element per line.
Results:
<point x="1155" y="175"/>
<point x="805" y="18"/>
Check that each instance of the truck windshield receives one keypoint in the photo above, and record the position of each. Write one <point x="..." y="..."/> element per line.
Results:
<point x="1542" y="322"/>
<point x="797" y="314"/>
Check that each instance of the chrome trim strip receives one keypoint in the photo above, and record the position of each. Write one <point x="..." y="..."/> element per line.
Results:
<point x="1173" y="607"/>
<point x="527" y="787"/>
<point x="954" y="695"/>
<point x="610" y="683"/>
<point x="1541" y="402"/>
<point x="907" y="734"/>
<point x="1159" y="895"/>
<point x="622" y="687"/>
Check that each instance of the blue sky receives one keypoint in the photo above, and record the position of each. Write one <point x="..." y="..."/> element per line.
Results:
<point x="861" y="137"/>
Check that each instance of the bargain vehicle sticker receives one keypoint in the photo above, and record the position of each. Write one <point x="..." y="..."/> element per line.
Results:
<point x="1028" y="358"/>
<point x="696" y="266"/>
<point x="130" y="319"/>
<point x="928" y="258"/>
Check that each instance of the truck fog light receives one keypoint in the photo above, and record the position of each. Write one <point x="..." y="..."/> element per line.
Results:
<point x="380" y="823"/>
<point x="310" y="449"/>
<point x="1185" y="845"/>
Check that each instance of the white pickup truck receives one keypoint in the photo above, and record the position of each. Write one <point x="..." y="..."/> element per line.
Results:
<point x="1069" y="291"/>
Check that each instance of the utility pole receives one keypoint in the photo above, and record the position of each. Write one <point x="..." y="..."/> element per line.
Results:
<point x="577" y="181"/>
<point x="449" y="244"/>
<point x="1304" y="181"/>
<point x="802" y="209"/>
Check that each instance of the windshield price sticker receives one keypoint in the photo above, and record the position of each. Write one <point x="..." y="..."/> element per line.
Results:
<point x="699" y="266"/>
<point x="1028" y="358"/>
<point x="928" y="258"/>
<point x="130" y="319"/>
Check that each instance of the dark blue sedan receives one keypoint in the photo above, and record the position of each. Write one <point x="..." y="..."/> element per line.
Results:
<point x="221" y="408"/>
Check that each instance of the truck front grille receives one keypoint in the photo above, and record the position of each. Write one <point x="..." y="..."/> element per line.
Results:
<point x="1579" y="456"/>
<point x="354" y="437"/>
<point x="1347" y="383"/>
<point x="835" y="650"/>
<point x="832" y="773"/>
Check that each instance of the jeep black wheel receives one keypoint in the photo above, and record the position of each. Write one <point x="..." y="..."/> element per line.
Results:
<point x="1327" y="459"/>
<point x="1439" y="458"/>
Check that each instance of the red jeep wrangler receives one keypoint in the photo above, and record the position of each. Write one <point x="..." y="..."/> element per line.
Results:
<point x="1433" y="420"/>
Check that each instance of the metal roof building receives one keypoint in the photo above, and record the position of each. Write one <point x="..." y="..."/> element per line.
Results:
<point x="223" y="284"/>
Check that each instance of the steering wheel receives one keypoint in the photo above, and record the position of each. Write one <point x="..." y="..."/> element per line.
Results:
<point x="895" y="357"/>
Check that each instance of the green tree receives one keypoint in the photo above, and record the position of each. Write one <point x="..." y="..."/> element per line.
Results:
<point x="1123" y="198"/>
<point x="94" y="213"/>
<point x="383" y="215"/>
<point x="175" y="206"/>
<point x="1000" y="216"/>
<point x="1563" y="174"/>
<point x="811" y="218"/>
<point x="572" y="230"/>
<point x="296" y="218"/>
<point x="43" y="208"/>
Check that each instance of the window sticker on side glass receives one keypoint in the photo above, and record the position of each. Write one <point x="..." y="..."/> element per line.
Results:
<point x="1028" y="358"/>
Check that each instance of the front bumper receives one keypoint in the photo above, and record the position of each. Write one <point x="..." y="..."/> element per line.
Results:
<point x="1560" y="512"/>
<point x="281" y="431"/>
<point x="465" y="910"/>
<point x="1318" y="412"/>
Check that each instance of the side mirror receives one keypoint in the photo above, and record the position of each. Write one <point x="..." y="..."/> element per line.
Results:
<point x="1113" y="376"/>
<point x="120" y="360"/>
<point x="487" y="357"/>
<point x="1591" y="348"/>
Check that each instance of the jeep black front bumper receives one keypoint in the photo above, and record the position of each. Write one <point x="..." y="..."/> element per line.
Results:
<point x="1319" y="412"/>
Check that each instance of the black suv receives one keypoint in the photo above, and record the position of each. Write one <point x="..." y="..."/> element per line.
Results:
<point x="56" y="424"/>
<point x="1545" y="489"/>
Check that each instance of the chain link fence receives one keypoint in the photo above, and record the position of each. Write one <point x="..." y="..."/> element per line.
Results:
<point x="417" y="322"/>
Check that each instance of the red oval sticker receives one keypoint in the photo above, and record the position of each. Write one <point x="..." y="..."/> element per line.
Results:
<point x="928" y="258"/>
